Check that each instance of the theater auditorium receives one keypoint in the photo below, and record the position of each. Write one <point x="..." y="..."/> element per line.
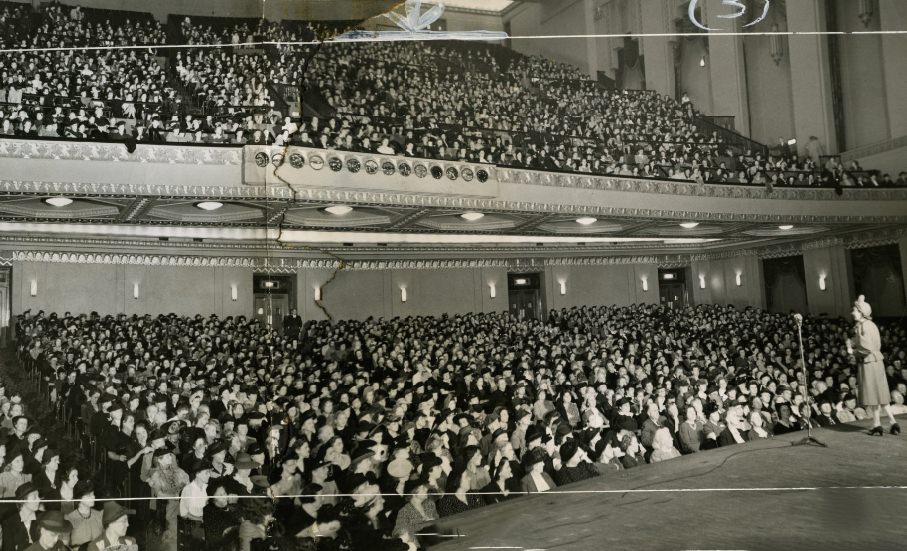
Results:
<point x="318" y="275"/>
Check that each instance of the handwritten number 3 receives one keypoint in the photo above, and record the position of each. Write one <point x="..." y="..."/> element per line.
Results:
<point x="730" y="3"/>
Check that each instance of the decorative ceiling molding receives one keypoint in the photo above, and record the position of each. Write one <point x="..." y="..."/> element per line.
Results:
<point x="100" y="151"/>
<point x="675" y="187"/>
<point x="489" y="205"/>
<point x="290" y="265"/>
<point x="284" y="265"/>
<point x="403" y="199"/>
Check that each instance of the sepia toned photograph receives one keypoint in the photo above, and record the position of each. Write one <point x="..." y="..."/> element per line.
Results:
<point x="426" y="275"/>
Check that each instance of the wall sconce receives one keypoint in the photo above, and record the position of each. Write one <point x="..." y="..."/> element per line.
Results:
<point x="492" y="290"/>
<point x="34" y="287"/>
<point x="402" y="294"/>
<point x="738" y="279"/>
<point x="866" y="12"/>
<point x="822" y="282"/>
<point x="702" y="281"/>
<point x="563" y="287"/>
<point x="776" y="47"/>
<point x="317" y="293"/>
<point x="645" y="283"/>
<point x="135" y="291"/>
<point x="702" y="61"/>
<point x="233" y="293"/>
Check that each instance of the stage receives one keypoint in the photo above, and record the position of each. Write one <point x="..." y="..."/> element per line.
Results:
<point x="762" y="495"/>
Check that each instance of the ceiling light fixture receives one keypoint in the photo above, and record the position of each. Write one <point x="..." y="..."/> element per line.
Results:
<point x="689" y="225"/>
<point x="209" y="205"/>
<point x="786" y="227"/>
<point x="58" y="201"/>
<point x="339" y="210"/>
<point x="587" y="220"/>
<point x="472" y="216"/>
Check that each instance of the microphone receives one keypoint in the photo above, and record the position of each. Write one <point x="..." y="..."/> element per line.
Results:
<point x="798" y="318"/>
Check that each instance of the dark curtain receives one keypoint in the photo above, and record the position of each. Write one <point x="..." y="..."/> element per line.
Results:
<point x="877" y="274"/>
<point x="785" y="284"/>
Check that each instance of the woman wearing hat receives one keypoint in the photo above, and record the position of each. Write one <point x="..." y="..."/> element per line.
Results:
<point x="47" y="480"/>
<point x="21" y="528"/>
<point x="52" y="528"/>
<point x="418" y="511"/>
<point x="167" y="481"/>
<point x="221" y="517"/>
<point x="873" y="383"/>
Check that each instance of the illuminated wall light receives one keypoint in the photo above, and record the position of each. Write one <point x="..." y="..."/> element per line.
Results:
<point x="702" y="281"/>
<point x="645" y="283"/>
<point x="317" y="293"/>
<point x="34" y="287"/>
<point x="402" y="294"/>
<point x="492" y="290"/>
<point x="563" y="287"/>
<point x="521" y="281"/>
<point x="135" y="291"/>
<point x="702" y="61"/>
<point x="822" y="286"/>
<point x="234" y="295"/>
<point x="738" y="279"/>
<point x="261" y="311"/>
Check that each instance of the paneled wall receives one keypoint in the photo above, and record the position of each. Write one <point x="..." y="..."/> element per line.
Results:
<point x="109" y="289"/>
<point x="694" y="79"/>
<point x="566" y="17"/>
<point x="715" y="282"/>
<point x="358" y="294"/>
<point x="771" y="104"/>
<point x="861" y="67"/>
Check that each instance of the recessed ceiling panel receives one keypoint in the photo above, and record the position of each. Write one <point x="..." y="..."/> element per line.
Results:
<point x="189" y="212"/>
<point x="79" y="208"/>
<point x="357" y="218"/>
<point x="454" y="222"/>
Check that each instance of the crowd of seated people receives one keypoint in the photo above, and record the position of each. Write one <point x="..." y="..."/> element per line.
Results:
<point x="64" y="26"/>
<point x="360" y="434"/>
<point x="474" y="102"/>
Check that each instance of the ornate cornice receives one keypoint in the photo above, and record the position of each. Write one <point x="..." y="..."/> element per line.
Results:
<point x="674" y="187"/>
<point x="268" y="262"/>
<point x="133" y="190"/>
<point x="292" y="265"/>
<point x="854" y="241"/>
<point x="378" y="198"/>
<point x="495" y="205"/>
<point x="101" y="151"/>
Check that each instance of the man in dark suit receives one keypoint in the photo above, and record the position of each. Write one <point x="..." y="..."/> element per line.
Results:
<point x="292" y="323"/>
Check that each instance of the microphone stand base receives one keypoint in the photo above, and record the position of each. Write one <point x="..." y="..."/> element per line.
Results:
<point x="810" y="441"/>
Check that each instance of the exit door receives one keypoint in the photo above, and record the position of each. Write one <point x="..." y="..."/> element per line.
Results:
<point x="672" y="287"/>
<point x="673" y="295"/>
<point x="524" y="296"/>
<point x="270" y="309"/>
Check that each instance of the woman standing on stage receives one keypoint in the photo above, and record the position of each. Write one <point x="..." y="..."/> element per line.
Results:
<point x="872" y="382"/>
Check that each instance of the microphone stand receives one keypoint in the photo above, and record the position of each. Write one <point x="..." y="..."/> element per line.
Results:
<point x="809" y="439"/>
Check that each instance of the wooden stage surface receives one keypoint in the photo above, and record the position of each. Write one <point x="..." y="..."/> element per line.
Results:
<point x="761" y="495"/>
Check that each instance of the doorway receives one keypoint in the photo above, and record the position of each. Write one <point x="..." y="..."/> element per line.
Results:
<point x="272" y="299"/>
<point x="672" y="287"/>
<point x="524" y="292"/>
